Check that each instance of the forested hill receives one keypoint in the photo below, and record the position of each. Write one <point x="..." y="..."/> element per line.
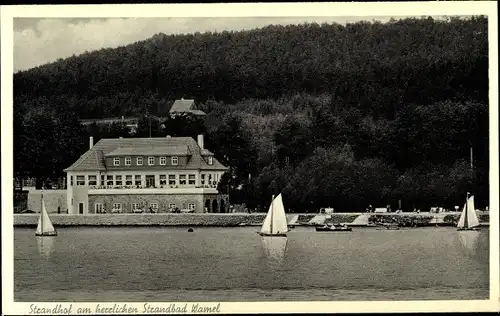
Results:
<point x="346" y="116"/>
<point x="378" y="67"/>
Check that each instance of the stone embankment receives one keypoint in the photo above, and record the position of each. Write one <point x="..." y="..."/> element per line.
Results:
<point x="227" y="220"/>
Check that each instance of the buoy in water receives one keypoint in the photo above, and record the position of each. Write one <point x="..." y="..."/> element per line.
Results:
<point x="190" y="230"/>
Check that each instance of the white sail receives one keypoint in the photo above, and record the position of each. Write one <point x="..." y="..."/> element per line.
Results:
<point x="274" y="248"/>
<point x="44" y="223"/>
<point x="45" y="246"/>
<point x="472" y="220"/>
<point x="266" y="226"/>
<point x="275" y="222"/>
<point x="468" y="218"/>
<point x="461" y="221"/>
<point x="279" y="221"/>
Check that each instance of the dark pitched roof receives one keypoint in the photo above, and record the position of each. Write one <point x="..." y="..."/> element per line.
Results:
<point x="185" y="106"/>
<point x="93" y="159"/>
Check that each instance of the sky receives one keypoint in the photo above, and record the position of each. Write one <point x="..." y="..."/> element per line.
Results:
<point x="40" y="41"/>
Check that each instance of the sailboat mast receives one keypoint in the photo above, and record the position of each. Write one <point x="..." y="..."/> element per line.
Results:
<point x="466" y="221"/>
<point x="272" y="214"/>
<point x="41" y="211"/>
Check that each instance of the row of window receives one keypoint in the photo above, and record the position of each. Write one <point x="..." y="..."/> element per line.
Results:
<point x="118" y="180"/>
<point x="151" y="161"/>
<point x="174" y="160"/>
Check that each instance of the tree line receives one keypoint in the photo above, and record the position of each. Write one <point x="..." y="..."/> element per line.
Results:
<point x="329" y="115"/>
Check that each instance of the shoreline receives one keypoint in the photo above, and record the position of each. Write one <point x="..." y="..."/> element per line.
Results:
<point x="238" y="219"/>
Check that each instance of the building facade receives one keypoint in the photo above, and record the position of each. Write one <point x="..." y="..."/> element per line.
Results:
<point x="128" y="175"/>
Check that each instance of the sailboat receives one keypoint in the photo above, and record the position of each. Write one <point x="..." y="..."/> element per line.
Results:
<point x="468" y="219"/>
<point x="275" y="223"/>
<point x="45" y="227"/>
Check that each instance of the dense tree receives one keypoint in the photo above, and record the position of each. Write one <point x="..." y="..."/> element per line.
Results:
<point x="48" y="144"/>
<point x="329" y="115"/>
<point x="186" y="125"/>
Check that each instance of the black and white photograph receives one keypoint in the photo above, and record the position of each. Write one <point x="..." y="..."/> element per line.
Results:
<point x="214" y="159"/>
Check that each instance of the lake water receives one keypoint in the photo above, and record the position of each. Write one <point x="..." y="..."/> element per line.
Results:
<point x="235" y="264"/>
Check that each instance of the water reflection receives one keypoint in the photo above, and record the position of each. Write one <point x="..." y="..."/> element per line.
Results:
<point x="45" y="246"/>
<point x="274" y="248"/>
<point x="228" y="264"/>
<point x="468" y="239"/>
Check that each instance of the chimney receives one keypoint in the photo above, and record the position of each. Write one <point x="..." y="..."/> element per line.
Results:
<point x="91" y="142"/>
<point x="168" y="136"/>
<point x="200" y="141"/>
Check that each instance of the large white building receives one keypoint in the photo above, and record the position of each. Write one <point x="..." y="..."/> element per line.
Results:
<point x="124" y="175"/>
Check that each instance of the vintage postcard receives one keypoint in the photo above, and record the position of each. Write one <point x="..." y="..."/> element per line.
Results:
<point x="250" y="158"/>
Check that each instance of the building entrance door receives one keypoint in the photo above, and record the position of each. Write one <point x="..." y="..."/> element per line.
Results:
<point x="80" y="208"/>
<point x="150" y="181"/>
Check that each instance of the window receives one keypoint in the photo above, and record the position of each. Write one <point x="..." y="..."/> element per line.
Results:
<point x="71" y="180"/>
<point x="116" y="161"/>
<point x="163" y="161"/>
<point x="202" y="179"/>
<point x="92" y="180"/>
<point x="109" y="180"/>
<point x="138" y="180"/>
<point x="135" y="206"/>
<point x="98" y="208"/>
<point x="210" y="160"/>
<point x="150" y="181"/>
<point x="171" y="205"/>
<point x="139" y="161"/>
<point x="103" y="179"/>
<point x="128" y="180"/>
<point x="191" y="206"/>
<point x="192" y="179"/>
<point x="118" y="180"/>
<point x="163" y="179"/>
<point x="175" y="160"/>
<point x="117" y="207"/>
<point x="154" y="206"/>
<point x="80" y="180"/>
<point x="171" y="179"/>
<point x="182" y="179"/>
<point x="128" y="161"/>
<point x="151" y="161"/>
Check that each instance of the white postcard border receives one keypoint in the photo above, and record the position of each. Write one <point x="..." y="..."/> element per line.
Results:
<point x="395" y="9"/>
